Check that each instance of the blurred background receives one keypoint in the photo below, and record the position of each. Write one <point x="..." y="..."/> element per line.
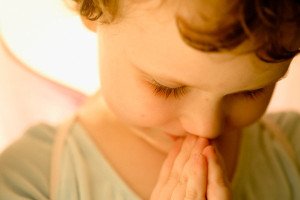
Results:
<point x="48" y="66"/>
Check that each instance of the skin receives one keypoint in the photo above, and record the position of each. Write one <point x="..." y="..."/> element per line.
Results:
<point x="145" y="47"/>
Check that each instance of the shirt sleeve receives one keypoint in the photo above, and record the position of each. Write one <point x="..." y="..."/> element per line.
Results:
<point x="24" y="166"/>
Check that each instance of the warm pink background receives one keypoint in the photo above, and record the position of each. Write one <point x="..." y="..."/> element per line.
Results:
<point x="28" y="98"/>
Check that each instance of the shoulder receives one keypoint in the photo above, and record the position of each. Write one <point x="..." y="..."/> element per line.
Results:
<point x="264" y="163"/>
<point x="289" y="124"/>
<point x="24" y="166"/>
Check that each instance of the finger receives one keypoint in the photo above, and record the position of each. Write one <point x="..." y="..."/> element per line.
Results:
<point x="218" y="184"/>
<point x="192" y="182"/>
<point x="196" y="170"/>
<point x="199" y="146"/>
<point x="179" y="163"/>
<point x="166" y="168"/>
<point x="197" y="182"/>
<point x="179" y="191"/>
<point x="184" y="154"/>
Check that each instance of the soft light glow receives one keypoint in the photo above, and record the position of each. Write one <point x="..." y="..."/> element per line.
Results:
<point x="50" y="39"/>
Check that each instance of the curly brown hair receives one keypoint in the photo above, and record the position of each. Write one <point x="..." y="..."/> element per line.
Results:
<point x="272" y="25"/>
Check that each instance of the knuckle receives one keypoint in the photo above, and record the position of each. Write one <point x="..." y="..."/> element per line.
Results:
<point x="183" y="179"/>
<point x="191" y="194"/>
<point x="174" y="176"/>
<point x="221" y="182"/>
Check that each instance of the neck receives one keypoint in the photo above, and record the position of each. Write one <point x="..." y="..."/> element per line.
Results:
<point x="229" y="146"/>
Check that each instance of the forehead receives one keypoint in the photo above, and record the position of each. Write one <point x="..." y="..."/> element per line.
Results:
<point x="150" y="40"/>
<point x="209" y="72"/>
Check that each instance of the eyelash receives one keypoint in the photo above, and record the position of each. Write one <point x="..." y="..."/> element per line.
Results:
<point x="167" y="92"/>
<point x="253" y="94"/>
<point x="178" y="92"/>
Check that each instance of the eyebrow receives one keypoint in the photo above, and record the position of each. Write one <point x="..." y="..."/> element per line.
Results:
<point x="170" y="80"/>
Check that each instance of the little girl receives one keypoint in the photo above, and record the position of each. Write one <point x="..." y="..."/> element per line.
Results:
<point x="180" y="113"/>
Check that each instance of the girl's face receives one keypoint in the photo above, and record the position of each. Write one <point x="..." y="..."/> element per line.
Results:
<point x="153" y="81"/>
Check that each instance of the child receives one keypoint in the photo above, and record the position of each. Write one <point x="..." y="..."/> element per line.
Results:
<point x="179" y="114"/>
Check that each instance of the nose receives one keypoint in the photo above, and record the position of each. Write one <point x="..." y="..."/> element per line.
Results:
<point x="203" y="118"/>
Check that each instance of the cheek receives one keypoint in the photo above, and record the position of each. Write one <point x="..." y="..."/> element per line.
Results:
<point x="133" y="102"/>
<point x="245" y="112"/>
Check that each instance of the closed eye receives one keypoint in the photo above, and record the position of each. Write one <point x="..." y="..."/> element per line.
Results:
<point x="166" y="92"/>
<point x="253" y="94"/>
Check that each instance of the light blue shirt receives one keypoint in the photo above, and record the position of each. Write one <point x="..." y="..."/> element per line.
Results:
<point x="264" y="169"/>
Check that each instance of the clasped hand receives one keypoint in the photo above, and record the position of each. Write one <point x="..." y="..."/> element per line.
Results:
<point x="192" y="171"/>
